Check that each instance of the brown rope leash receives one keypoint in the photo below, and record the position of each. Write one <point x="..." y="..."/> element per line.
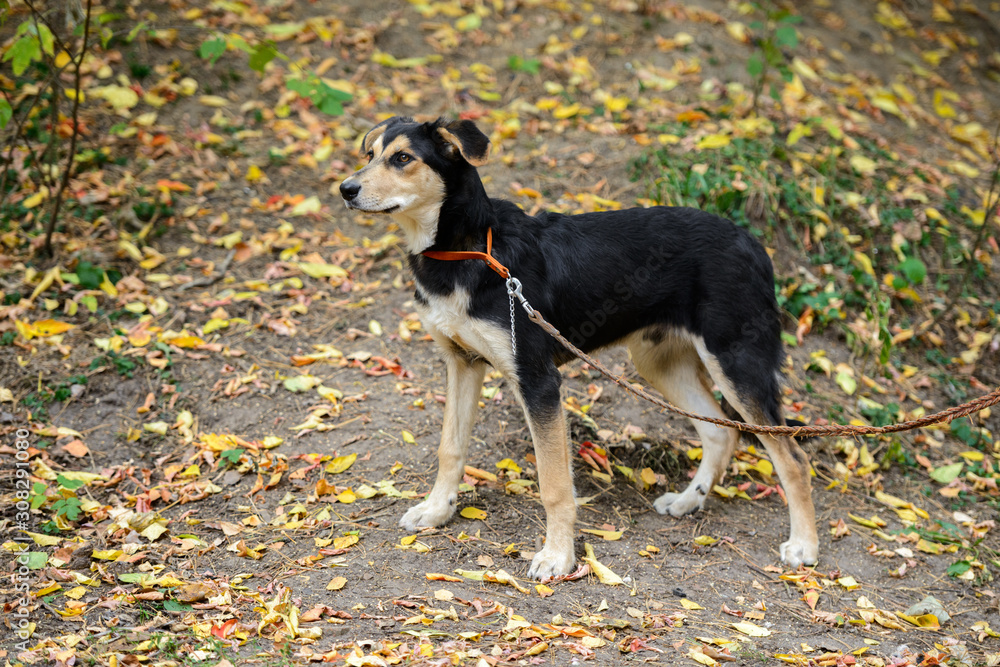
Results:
<point x="514" y="290"/>
<point x="962" y="410"/>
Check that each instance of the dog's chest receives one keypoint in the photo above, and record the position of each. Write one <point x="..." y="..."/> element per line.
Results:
<point x="448" y="318"/>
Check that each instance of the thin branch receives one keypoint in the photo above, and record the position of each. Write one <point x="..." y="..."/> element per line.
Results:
<point x="990" y="210"/>
<point x="19" y="122"/>
<point x="50" y="153"/>
<point x="212" y="279"/>
<point x="19" y="132"/>
<point x="57" y="41"/>
<point x="57" y="204"/>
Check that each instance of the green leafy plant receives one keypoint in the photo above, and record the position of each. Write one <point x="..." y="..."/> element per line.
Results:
<point x="32" y="41"/>
<point x="232" y="456"/>
<point x="774" y="33"/>
<point x="212" y="49"/>
<point x="67" y="507"/>
<point x="67" y="483"/>
<point x="37" y="403"/>
<point x="898" y="453"/>
<point x="37" y="496"/>
<point x="527" y="65"/>
<point x="90" y="276"/>
<point x="913" y="270"/>
<point x="122" y="365"/>
<point x="876" y="313"/>
<point x="65" y="389"/>
<point x="880" y="415"/>
<point x="971" y="435"/>
<point x="307" y="84"/>
<point x="324" y="97"/>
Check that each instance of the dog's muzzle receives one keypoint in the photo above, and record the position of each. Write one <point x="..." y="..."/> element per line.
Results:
<point x="349" y="190"/>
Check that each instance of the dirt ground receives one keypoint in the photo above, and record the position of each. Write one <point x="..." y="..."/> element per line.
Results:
<point x="266" y="537"/>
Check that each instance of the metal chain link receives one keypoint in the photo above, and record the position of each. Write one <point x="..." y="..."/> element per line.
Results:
<point x="513" y="332"/>
<point x="514" y="290"/>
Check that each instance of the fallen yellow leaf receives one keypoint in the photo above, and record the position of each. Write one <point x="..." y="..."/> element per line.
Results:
<point x="345" y="541"/>
<point x="606" y="534"/>
<point x="504" y="577"/>
<point x="509" y="464"/>
<point x="751" y="630"/>
<point x="702" y="658"/>
<point x="473" y="513"/>
<point x="543" y="590"/>
<point x="863" y="165"/>
<point x="874" y="522"/>
<point x="603" y="572"/>
<point x="713" y="141"/>
<point x="341" y="463"/>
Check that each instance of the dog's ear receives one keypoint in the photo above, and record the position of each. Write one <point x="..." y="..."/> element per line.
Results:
<point x="467" y="139"/>
<point x="380" y="129"/>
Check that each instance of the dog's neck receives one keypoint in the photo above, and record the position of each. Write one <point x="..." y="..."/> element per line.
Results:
<point x="458" y="222"/>
<point x="419" y="226"/>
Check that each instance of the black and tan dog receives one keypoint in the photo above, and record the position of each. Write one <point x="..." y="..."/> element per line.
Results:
<point x="689" y="293"/>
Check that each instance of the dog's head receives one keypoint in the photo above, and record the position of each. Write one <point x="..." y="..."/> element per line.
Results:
<point x="411" y="169"/>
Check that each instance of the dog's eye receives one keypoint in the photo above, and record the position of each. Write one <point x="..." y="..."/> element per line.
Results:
<point x="404" y="157"/>
<point x="370" y="155"/>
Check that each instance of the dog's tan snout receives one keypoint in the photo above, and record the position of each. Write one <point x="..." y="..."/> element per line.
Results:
<point x="349" y="189"/>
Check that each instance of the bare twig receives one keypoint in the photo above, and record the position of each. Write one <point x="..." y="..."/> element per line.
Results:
<point x="990" y="210"/>
<point x="36" y="12"/>
<point x="18" y="131"/>
<point x="212" y="279"/>
<point x="50" y="153"/>
<point x="57" y="204"/>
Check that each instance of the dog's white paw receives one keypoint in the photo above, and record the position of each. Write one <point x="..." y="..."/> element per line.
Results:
<point x="552" y="562"/>
<point x="796" y="552"/>
<point x="428" y="514"/>
<point x="679" y="504"/>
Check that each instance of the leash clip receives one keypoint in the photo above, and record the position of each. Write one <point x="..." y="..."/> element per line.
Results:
<point x="514" y="290"/>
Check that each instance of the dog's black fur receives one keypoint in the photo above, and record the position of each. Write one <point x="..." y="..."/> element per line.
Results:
<point x="720" y="284"/>
<point x="682" y="280"/>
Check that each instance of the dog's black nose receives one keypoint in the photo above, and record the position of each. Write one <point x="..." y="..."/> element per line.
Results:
<point x="349" y="190"/>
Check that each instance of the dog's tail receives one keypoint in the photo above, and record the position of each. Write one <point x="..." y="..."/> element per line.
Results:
<point x="731" y="413"/>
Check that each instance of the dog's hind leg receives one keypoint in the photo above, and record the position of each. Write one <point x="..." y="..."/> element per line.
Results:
<point x="465" y="381"/>
<point x="670" y="362"/>
<point x="792" y="466"/>
<point x="757" y="402"/>
<point x="540" y="397"/>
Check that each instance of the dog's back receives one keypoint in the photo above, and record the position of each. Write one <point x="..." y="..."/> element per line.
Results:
<point x="671" y="268"/>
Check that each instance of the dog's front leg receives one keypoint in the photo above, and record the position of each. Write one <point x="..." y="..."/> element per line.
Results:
<point x="543" y="408"/>
<point x="465" y="382"/>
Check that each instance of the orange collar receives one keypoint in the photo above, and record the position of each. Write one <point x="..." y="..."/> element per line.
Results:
<point x="468" y="254"/>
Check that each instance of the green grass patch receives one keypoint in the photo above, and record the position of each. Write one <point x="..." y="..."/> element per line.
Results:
<point x="877" y="234"/>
